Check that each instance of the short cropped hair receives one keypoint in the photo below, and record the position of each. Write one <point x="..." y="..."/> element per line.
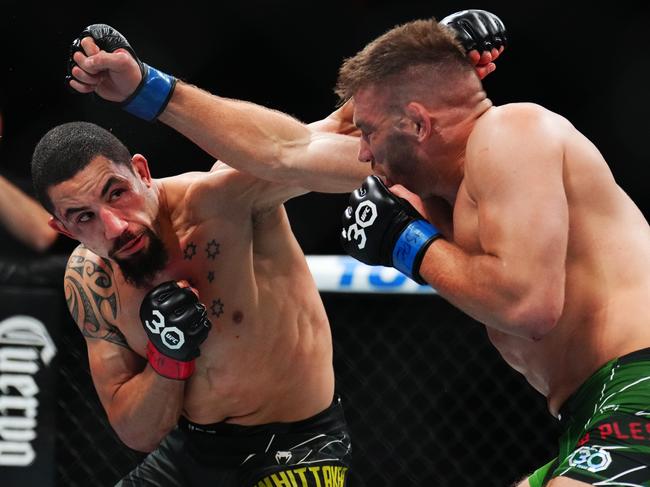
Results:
<point x="420" y="43"/>
<point x="67" y="149"/>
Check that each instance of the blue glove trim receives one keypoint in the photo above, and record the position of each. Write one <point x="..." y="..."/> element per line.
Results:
<point x="153" y="94"/>
<point x="410" y="246"/>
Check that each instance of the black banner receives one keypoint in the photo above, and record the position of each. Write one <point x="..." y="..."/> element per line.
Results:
<point x="29" y="320"/>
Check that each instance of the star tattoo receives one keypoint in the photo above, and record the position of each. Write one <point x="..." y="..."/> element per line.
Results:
<point x="216" y="308"/>
<point x="212" y="249"/>
<point x="190" y="251"/>
<point x="210" y="276"/>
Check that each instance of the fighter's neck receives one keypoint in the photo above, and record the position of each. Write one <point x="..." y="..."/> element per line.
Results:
<point x="170" y="219"/>
<point x="454" y="130"/>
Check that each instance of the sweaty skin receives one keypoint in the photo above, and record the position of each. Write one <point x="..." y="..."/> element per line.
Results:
<point x="572" y="232"/>
<point x="556" y="266"/>
<point x="545" y="248"/>
<point x="268" y="356"/>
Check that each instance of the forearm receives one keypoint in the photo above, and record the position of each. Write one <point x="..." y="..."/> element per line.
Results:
<point x="266" y="143"/>
<point x="239" y="133"/>
<point x="488" y="290"/>
<point x="24" y="218"/>
<point x="144" y="409"/>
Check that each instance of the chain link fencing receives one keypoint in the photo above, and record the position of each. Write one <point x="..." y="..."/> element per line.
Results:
<point x="428" y="399"/>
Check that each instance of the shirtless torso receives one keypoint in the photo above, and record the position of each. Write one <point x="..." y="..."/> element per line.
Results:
<point x="268" y="356"/>
<point x="605" y="313"/>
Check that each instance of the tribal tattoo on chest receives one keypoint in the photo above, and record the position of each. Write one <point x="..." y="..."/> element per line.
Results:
<point x="92" y="298"/>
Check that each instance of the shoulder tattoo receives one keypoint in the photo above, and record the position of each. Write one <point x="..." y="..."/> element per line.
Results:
<point x="92" y="298"/>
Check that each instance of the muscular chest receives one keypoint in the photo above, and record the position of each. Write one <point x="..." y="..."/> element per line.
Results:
<point x="215" y="258"/>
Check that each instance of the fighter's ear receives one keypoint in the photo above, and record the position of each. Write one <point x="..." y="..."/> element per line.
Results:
<point x="420" y="123"/>
<point x="141" y="168"/>
<point x="57" y="225"/>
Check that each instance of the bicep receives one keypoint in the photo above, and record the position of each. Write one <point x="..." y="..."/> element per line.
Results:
<point x="522" y="207"/>
<point x="92" y="298"/>
<point x="323" y="162"/>
<point x="329" y="164"/>
<point x="326" y="164"/>
<point x="224" y="185"/>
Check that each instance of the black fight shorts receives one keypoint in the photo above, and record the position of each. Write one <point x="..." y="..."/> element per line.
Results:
<point x="312" y="452"/>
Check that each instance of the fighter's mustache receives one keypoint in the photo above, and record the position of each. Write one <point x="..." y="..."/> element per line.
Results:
<point x="123" y="240"/>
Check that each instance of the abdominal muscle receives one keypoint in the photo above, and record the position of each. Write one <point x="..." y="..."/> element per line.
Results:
<point x="274" y="367"/>
<point x="587" y="336"/>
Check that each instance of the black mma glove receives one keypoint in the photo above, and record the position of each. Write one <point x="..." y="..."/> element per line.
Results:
<point x="155" y="89"/>
<point x="176" y="324"/>
<point x="380" y="228"/>
<point x="477" y="29"/>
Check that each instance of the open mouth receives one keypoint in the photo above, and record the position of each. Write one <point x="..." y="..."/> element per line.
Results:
<point x="387" y="182"/>
<point x="132" y="247"/>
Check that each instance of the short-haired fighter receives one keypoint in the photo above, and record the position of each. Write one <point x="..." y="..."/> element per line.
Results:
<point x="251" y="400"/>
<point x="543" y="246"/>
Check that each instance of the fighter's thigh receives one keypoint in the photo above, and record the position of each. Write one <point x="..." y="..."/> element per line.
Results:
<point x="556" y="482"/>
<point x="566" y="482"/>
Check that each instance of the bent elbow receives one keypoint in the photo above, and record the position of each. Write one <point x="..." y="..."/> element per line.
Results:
<point x="139" y="442"/>
<point x="535" y="319"/>
<point x="139" y="439"/>
<point x="541" y="324"/>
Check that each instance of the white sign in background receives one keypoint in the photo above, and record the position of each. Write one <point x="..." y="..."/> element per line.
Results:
<point x="343" y="274"/>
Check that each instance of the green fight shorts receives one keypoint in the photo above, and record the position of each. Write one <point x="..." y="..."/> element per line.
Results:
<point x="606" y="422"/>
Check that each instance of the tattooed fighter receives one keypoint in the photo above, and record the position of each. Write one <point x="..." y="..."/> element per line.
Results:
<point x="246" y="400"/>
<point x="260" y="381"/>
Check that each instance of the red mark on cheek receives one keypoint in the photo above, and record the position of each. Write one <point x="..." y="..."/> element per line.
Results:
<point x="238" y="316"/>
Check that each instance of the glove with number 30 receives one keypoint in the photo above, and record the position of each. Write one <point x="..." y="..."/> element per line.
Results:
<point x="176" y="324"/>
<point x="380" y="228"/>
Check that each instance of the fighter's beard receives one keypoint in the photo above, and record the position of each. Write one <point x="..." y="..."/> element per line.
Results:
<point x="140" y="268"/>
<point x="402" y="157"/>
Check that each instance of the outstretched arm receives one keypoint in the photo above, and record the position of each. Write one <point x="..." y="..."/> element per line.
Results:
<point x="266" y="143"/>
<point x="269" y="144"/>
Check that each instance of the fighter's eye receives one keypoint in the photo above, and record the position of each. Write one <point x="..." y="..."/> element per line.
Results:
<point x="116" y="194"/>
<point x="85" y="217"/>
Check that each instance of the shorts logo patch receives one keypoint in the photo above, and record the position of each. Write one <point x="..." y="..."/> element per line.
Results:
<point x="590" y="458"/>
<point x="282" y="457"/>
